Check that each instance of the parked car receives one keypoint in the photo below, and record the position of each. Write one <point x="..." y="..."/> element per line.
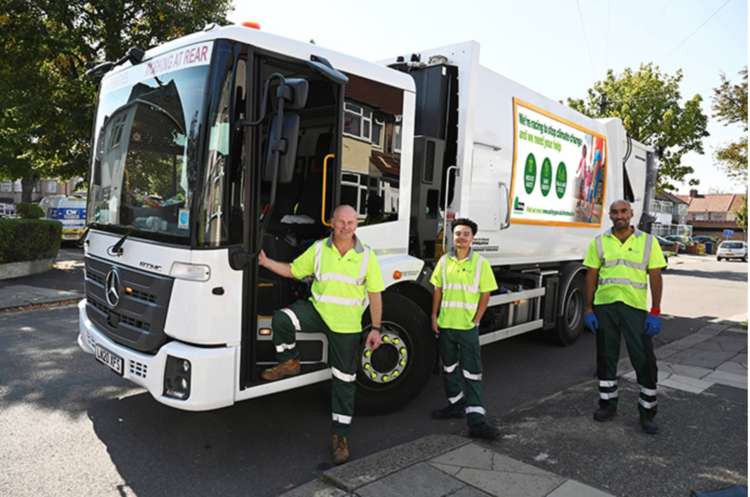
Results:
<point x="681" y="241"/>
<point x="704" y="239"/>
<point x="667" y="246"/>
<point x="732" y="249"/>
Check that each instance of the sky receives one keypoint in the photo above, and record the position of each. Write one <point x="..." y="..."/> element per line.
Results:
<point x="557" y="48"/>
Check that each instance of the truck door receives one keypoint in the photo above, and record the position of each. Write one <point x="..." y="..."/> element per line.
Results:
<point x="490" y="185"/>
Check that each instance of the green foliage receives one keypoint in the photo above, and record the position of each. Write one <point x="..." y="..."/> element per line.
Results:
<point x="29" y="239"/>
<point x="730" y="107"/>
<point x="29" y="211"/>
<point x="46" y="102"/>
<point x="741" y="214"/>
<point x="652" y="110"/>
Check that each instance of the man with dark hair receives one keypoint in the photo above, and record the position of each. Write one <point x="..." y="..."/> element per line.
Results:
<point x="621" y="263"/>
<point x="463" y="281"/>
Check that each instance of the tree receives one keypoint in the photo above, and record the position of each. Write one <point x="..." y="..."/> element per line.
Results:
<point x="46" y="102"/>
<point x="650" y="106"/>
<point x="741" y="214"/>
<point x="730" y="107"/>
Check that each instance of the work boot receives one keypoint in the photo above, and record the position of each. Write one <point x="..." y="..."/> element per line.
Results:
<point x="605" y="412"/>
<point x="648" y="425"/>
<point x="339" y="449"/>
<point x="451" y="411"/>
<point x="282" y="370"/>
<point x="484" y="430"/>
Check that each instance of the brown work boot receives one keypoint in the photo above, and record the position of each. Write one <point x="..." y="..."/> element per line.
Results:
<point x="339" y="449"/>
<point x="282" y="370"/>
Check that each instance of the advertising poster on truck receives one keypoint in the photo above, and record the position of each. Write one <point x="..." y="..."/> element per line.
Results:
<point x="559" y="169"/>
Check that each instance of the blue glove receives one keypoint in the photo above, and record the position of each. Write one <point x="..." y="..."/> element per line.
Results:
<point x="653" y="325"/>
<point x="589" y="319"/>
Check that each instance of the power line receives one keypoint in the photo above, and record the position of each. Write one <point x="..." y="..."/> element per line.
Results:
<point x="697" y="29"/>
<point x="586" y="41"/>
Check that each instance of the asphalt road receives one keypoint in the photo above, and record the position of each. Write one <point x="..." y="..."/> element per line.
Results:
<point x="70" y="427"/>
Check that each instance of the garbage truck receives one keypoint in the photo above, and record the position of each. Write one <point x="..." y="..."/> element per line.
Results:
<point x="216" y="145"/>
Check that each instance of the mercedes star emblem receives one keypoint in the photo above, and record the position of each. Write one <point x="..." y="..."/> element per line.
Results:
<point x="112" y="288"/>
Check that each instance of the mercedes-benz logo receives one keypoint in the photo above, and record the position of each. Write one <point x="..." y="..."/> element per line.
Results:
<point x="112" y="288"/>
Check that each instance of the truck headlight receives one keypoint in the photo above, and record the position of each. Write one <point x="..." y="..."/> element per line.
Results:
<point x="177" y="378"/>
<point x="193" y="272"/>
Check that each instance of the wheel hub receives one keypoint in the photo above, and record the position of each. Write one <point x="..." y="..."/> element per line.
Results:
<point x="388" y="362"/>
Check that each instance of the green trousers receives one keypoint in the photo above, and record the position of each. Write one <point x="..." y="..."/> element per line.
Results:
<point x="343" y="351"/>
<point x="462" y="370"/>
<point x="620" y="319"/>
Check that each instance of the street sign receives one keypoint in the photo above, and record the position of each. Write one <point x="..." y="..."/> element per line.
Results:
<point x="728" y="233"/>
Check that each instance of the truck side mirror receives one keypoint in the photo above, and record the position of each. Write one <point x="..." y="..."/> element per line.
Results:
<point x="286" y="145"/>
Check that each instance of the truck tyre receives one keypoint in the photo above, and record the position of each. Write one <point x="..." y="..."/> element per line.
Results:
<point x="570" y="321"/>
<point x="395" y="373"/>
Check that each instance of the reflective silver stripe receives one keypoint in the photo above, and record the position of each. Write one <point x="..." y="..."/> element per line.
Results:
<point x="340" y="375"/>
<point x="477" y="271"/>
<point x="460" y="305"/>
<point x="292" y="318"/>
<point x="318" y="255"/>
<point x="651" y="392"/>
<point x="444" y="262"/>
<point x="474" y="287"/>
<point x="451" y="368"/>
<point x="647" y="250"/>
<point x="606" y="396"/>
<point x="338" y="277"/>
<point x="458" y="286"/>
<point x="340" y="418"/>
<point x="622" y="281"/>
<point x="625" y="262"/>
<point x="599" y="248"/>
<point x="363" y="270"/>
<point x="455" y="399"/>
<point x="285" y="346"/>
<point x="607" y="383"/>
<point x="647" y="405"/>
<point x="330" y="299"/>
<point x="472" y="376"/>
<point x="475" y="409"/>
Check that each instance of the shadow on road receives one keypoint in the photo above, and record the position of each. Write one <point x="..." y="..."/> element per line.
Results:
<point x="715" y="275"/>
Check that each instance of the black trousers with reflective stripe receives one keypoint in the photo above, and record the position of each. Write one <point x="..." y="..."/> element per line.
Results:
<point x="616" y="320"/>
<point x="343" y="351"/>
<point x="460" y="352"/>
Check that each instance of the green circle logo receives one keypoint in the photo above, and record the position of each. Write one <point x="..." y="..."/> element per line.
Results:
<point x="561" y="180"/>
<point x="529" y="173"/>
<point x="545" y="178"/>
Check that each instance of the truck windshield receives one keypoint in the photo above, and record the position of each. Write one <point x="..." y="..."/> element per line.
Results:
<point x="146" y="155"/>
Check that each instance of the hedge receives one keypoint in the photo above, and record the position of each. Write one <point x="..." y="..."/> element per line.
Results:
<point x="29" y="239"/>
<point x="29" y="211"/>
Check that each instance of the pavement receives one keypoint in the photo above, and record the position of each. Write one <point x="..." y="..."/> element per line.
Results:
<point x="552" y="447"/>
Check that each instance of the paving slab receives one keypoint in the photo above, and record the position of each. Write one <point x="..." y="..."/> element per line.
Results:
<point x="733" y="367"/>
<point x="572" y="488"/>
<point x="730" y="379"/>
<point x="420" y="480"/>
<point x="508" y="484"/>
<point x="684" y="370"/>
<point x="368" y="469"/>
<point x="702" y="358"/>
<point x="686" y="383"/>
<point x="316" y="488"/>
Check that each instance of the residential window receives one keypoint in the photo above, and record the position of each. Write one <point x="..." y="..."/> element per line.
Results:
<point x="354" y="192"/>
<point x="397" y="137"/>
<point x="377" y="129"/>
<point x="358" y="123"/>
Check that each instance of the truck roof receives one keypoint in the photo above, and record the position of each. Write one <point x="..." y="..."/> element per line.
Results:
<point x="275" y="43"/>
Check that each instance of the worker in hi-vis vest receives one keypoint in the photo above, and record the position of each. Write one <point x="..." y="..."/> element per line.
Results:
<point x="463" y="280"/>
<point x="345" y="275"/>
<point x="621" y="263"/>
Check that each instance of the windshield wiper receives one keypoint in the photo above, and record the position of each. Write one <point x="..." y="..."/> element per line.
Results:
<point x="134" y="55"/>
<point x="116" y="249"/>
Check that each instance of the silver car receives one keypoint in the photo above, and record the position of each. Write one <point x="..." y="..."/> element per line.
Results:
<point x="732" y="249"/>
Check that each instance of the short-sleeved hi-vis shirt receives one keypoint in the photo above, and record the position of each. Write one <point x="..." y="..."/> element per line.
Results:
<point x="623" y="267"/>
<point x="462" y="283"/>
<point x="341" y="283"/>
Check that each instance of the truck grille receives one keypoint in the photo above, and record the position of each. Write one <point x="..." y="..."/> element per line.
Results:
<point x="137" y="321"/>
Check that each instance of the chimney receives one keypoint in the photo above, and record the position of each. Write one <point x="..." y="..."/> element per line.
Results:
<point x="694" y="194"/>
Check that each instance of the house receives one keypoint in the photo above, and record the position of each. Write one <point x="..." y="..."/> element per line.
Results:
<point x="670" y="213"/>
<point x="711" y="214"/>
<point x="10" y="191"/>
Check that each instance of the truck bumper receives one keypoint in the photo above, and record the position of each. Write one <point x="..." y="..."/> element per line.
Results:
<point x="213" y="376"/>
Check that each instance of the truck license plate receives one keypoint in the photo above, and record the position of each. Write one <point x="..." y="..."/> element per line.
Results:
<point x="112" y="360"/>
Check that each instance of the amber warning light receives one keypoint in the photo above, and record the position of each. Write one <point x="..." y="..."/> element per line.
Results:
<point x="251" y="24"/>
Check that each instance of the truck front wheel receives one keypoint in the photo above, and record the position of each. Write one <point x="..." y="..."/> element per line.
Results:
<point x="388" y="378"/>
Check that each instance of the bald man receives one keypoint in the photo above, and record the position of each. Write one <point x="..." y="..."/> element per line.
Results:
<point x="345" y="275"/>
<point x="621" y="264"/>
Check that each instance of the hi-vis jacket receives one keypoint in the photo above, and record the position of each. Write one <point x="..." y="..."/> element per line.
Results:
<point x="623" y="267"/>
<point x="462" y="283"/>
<point x="341" y="283"/>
